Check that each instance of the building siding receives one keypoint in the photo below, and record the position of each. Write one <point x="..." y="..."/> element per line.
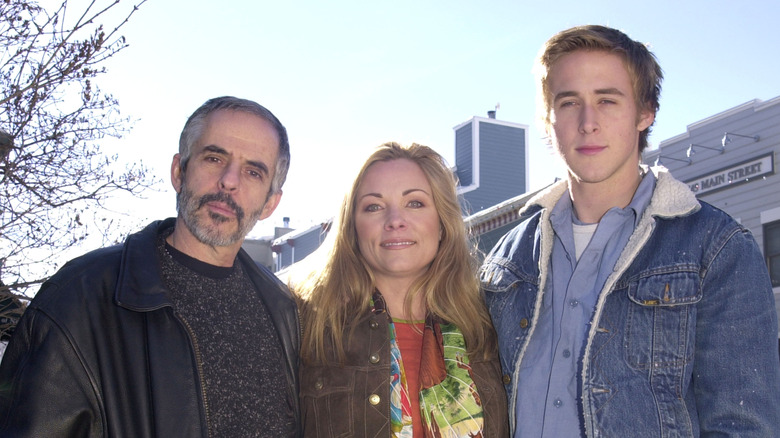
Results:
<point x="464" y="161"/>
<point x="501" y="151"/>
<point x="296" y="245"/>
<point x="502" y="169"/>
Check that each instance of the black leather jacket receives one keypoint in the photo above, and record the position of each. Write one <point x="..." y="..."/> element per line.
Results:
<point x="99" y="351"/>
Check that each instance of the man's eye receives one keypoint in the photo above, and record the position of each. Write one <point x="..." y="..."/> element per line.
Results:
<point x="255" y="174"/>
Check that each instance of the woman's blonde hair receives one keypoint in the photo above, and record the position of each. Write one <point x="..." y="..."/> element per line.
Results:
<point x="341" y="290"/>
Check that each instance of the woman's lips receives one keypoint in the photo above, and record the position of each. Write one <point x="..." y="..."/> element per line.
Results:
<point x="396" y="243"/>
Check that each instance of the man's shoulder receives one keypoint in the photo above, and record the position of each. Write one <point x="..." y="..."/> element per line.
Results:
<point x="711" y="212"/>
<point x="701" y="233"/>
<point x="527" y="224"/>
<point x="99" y="257"/>
<point x="87" y="284"/>
<point x="514" y="252"/>
<point x="95" y="262"/>
<point x="529" y="216"/>
<point x="707" y="218"/>
<point x="84" y="275"/>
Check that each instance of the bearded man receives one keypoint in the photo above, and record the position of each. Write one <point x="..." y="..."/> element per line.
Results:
<point x="177" y="332"/>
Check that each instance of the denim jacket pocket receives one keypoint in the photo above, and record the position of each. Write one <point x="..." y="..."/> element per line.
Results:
<point x="326" y="401"/>
<point x="661" y="319"/>
<point x="498" y="284"/>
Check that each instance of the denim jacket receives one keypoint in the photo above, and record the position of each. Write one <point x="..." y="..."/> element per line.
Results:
<point x="683" y="338"/>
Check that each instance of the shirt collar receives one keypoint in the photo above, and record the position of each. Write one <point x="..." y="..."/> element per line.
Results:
<point x="642" y="196"/>
<point x="564" y="212"/>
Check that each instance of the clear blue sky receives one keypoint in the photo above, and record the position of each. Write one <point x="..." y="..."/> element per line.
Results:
<point x="345" y="76"/>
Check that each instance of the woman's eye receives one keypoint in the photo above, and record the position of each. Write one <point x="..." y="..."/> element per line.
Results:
<point x="371" y="208"/>
<point x="415" y="204"/>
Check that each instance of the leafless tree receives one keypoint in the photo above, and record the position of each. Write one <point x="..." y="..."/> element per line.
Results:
<point x="54" y="175"/>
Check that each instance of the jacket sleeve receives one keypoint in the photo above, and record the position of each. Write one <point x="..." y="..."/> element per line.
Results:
<point x="736" y="373"/>
<point x="45" y="389"/>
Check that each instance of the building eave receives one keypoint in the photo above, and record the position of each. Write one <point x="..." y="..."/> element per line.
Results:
<point x="498" y="215"/>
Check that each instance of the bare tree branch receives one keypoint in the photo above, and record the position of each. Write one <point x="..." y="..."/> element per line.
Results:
<point x="54" y="175"/>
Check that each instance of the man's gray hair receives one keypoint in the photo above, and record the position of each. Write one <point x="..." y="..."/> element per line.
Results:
<point x="195" y="123"/>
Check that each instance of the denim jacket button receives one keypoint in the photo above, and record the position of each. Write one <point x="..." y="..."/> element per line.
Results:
<point x="374" y="358"/>
<point x="524" y="323"/>
<point x="373" y="324"/>
<point x="507" y="379"/>
<point x="318" y="384"/>
<point x="374" y="399"/>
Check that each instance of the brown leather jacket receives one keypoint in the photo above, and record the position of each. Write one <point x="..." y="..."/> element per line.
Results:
<point x="352" y="399"/>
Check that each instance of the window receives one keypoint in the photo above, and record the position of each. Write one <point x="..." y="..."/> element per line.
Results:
<point x="772" y="250"/>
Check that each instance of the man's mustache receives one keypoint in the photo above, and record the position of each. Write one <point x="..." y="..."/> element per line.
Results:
<point x="222" y="197"/>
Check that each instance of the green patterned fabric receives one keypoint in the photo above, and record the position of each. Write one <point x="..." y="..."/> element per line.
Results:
<point x="452" y="406"/>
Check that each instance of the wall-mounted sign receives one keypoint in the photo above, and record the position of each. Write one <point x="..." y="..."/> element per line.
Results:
<point x="743" y="172"/>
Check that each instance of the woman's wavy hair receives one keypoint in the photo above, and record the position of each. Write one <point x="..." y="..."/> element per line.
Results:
<point x="340" y="291"/>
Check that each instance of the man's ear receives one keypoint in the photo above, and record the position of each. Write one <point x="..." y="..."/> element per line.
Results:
<point x="646" y="118"/>
<point x="270" y="205"/>
<point x="177" y="174"/>
<point x="546" y="126"/>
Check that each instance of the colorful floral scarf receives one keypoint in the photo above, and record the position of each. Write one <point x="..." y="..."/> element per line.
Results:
<point x="449" y="402"/>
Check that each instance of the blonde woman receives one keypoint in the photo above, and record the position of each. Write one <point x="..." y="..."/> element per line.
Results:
<point x="397" y="341"/>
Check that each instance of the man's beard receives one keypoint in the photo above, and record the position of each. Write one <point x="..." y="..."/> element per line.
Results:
<point x="199" y="226"/>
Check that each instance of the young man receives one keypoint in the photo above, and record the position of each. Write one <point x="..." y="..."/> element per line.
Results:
<point x="625" y="306"/>
<point x="177" y="332"/>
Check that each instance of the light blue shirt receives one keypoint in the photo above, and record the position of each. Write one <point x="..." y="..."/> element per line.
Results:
<point x="548" y="393"/>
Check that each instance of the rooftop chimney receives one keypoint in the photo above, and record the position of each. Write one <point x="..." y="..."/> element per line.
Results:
<point x="492" y="114"/>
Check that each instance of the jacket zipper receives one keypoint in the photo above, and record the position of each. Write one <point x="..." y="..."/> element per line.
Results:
<point x="199" y="365"/>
